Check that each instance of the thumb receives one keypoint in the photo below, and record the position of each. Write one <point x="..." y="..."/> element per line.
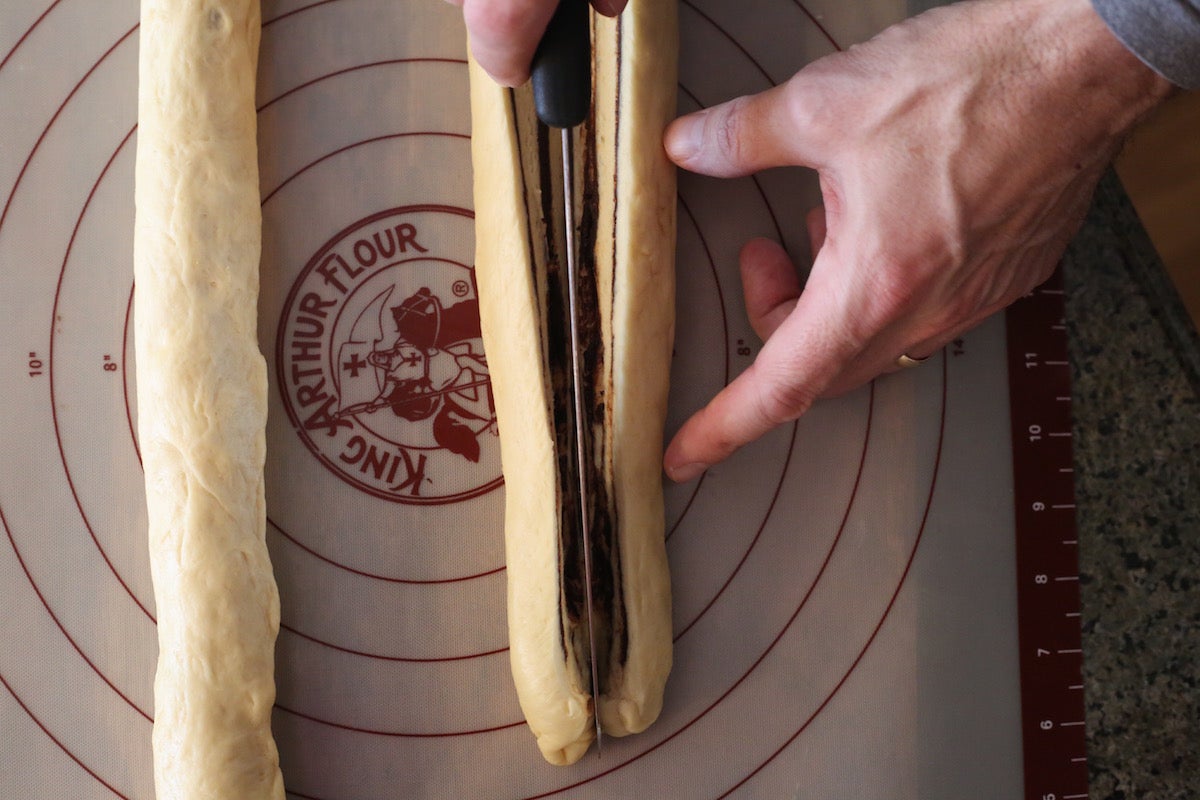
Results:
<point x="744" y="135"/>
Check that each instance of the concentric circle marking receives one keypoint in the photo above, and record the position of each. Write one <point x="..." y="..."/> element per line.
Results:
<point x="887" y="610"/>
<point x="58" y="742"/>
<point x="376" y="576"/>
<point x="51" y="369"/>
<point x="25" y="35"/>
<point x="383" y="657"/>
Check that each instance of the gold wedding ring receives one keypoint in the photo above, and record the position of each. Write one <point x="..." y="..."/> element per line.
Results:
<point x="905" y="361"/>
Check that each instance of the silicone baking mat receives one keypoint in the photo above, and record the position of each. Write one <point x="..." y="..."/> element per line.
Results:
<point x="845" y="590"/>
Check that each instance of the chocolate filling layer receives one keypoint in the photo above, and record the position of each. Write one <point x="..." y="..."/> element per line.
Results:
<point x="539" y="150"/>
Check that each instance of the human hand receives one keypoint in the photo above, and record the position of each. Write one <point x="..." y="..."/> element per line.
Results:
<point x="957" y="154"/>
<point x="505" y="33"/>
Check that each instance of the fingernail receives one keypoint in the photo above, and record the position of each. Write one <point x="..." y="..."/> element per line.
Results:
<point x="684" y="137"/>
<point x="605" y="7"/>
<point x="686" y="472"/>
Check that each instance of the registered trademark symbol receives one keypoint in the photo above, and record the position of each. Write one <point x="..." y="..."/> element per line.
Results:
<point x="460" y="288"/>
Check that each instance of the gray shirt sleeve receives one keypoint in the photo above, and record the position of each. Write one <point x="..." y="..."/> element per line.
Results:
<point x="1165" y="34"/>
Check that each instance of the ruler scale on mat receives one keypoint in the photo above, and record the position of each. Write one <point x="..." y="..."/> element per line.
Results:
<point x="1052" y="704"/>
<point x="845" y="590"/>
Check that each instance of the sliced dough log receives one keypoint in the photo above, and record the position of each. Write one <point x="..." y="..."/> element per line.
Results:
<point x="201" y="385"/>
<point x="629" y="198"/>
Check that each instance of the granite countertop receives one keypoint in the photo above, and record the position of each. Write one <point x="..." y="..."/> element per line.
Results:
<point x="1135" y="357"/>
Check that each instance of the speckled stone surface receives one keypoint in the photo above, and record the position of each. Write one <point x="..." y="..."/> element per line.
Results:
<point x="1137" y="452"/>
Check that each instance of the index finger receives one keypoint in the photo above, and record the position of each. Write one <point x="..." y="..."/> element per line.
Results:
<point x="807" y="352"/>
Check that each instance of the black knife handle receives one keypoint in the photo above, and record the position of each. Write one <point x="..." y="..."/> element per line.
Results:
<point x="562" y="67"/>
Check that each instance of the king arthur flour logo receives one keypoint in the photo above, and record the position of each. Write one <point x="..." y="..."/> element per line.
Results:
<point x="381" y="364"/>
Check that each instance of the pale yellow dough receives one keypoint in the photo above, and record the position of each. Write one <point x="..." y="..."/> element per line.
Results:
<point x="201" y="385"/>
<point x="634" y="100"/>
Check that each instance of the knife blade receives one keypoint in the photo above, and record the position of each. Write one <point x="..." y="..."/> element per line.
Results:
<point x="562" y="91"/>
